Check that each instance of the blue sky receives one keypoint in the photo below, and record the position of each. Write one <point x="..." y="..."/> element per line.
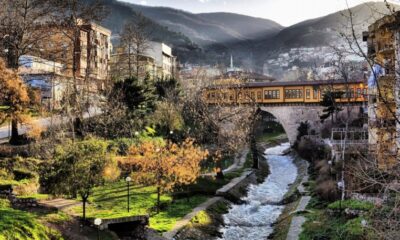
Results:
<point x="285" y="12"/>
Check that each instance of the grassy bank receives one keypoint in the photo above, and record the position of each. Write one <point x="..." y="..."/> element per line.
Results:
<point x="17" y="224"/>
<point x="110" y="201"/>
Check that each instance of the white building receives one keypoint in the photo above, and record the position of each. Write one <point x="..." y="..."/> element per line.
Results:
<point x="165" y="61"/>
<point x="45" y="76"/>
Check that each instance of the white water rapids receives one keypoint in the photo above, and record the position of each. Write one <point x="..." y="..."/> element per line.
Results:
<point x="253" y="220"/>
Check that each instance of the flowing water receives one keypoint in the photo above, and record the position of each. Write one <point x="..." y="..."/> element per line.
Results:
<point x="253" y="220"/>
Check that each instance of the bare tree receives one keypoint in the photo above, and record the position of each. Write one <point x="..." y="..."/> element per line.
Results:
<point x="135" y="40"/>
<point x="223" y="115"/>
<point x="71" y="21"/>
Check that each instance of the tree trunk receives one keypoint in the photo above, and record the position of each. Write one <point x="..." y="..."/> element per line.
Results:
<point x="14" y="131"/>
<point x="220" y="173"/>
<point x="84" y="208"/>
<point x="158" y="199"/>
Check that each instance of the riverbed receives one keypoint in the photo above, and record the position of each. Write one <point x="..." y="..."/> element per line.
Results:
<point x="254" y="219"/>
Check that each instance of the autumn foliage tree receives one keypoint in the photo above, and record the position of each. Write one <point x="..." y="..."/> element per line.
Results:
<point x="166" y="165"/>
<point x="14" y="98"/>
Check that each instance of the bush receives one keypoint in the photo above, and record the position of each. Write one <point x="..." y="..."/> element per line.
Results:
<point x="202" y="218"/>
<point x="121" y="145"/>
<point x="352" y="204"/>
<point x="21" y="174"/>
<point x="4" y="203"/>
<point x="27" y="187"/>
<point x="311" y="150"/>
<point x="354" y="230"/>
<point x="327" y="190"/>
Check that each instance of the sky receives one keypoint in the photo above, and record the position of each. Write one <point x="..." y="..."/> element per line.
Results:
<point x="284" y="12"/>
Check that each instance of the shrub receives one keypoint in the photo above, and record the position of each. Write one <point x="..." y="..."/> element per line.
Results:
<point x="21" y="174"/>
<point x="5" y="174"/>
<point x="202" y="218"/>
<point x="311" y="150"/>
<point x="327" y="190"/>
<point x="352" y="204"/>
<point x="27" y="187"/>
<point x="4" y="203"/>
<point x="354" y="229"/>
<point x="121" y="145"/>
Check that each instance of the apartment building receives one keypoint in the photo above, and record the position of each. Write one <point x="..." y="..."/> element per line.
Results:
<point x="84" y="61"/>
<point x="166" y="63"/>
<point x="123" y="65"/>
<point x="383" y="107"/>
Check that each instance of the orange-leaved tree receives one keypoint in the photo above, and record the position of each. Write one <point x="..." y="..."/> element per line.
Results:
<point x="14" y="99"/>
<point x="166" y="165"/>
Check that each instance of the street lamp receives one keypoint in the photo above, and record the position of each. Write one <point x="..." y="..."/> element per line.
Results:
<point x="128" y="181"/>
<point x="97" y="222"/>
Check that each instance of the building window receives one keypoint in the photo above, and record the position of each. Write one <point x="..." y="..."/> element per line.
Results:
<point x="253" y="96"/>
<point x="259" y="95"/>
<point x="272" y="94"/>
<point x="308" y="93"/>
<point x="294" y="93"/>
<point x="315" y="95"/>
<point x="365" y="92"/>
<point x="358" y="92"/>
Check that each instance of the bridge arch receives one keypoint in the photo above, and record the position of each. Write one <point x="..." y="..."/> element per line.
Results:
<point x="290" y="117"/>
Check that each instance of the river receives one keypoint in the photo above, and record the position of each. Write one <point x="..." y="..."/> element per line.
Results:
<point x="253" y="220"/>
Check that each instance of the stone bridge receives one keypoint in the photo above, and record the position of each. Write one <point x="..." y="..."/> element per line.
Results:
<point x="290" y="116"/>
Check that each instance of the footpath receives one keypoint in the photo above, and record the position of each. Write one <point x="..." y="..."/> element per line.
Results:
<point x="295" y="228"/>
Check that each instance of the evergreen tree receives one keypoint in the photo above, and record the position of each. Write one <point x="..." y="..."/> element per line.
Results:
<point x="331" y="107"/>
<point x="139" y="98"/>
<point x="302" y="130"/>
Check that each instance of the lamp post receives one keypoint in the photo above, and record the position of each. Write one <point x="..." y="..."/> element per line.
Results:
<point x="128" y="181"/>
<point x="97" y="222"/>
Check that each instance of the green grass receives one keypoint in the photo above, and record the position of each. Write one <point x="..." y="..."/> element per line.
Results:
<point x="16" y="224"/>
<point x="37" y="196"/>
<point x="323" y="225"/>
<point x="110" y="201"/>
<point x="2" y="107"/>
<point x="268" y="137"/>
<point x="352" y="204"/>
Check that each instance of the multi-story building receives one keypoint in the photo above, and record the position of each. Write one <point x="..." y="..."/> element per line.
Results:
<point x="383" y="107"/>
<point x="123" y="65"/>
<point x="157" y="62"/>
<point x="166" y="63"/>
<point x="84" y="61"/>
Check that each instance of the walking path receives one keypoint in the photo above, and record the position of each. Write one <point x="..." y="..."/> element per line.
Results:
<point x="238" y="163"/>
<point x="298" y="221"/>
<point x="59" y="203"/>
<point x="44" y="123"/>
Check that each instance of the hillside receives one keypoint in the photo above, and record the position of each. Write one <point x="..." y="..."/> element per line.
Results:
<point x="211" y="28"/>
<point x="326" y="30"/>
<point x="212" y="37"/>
